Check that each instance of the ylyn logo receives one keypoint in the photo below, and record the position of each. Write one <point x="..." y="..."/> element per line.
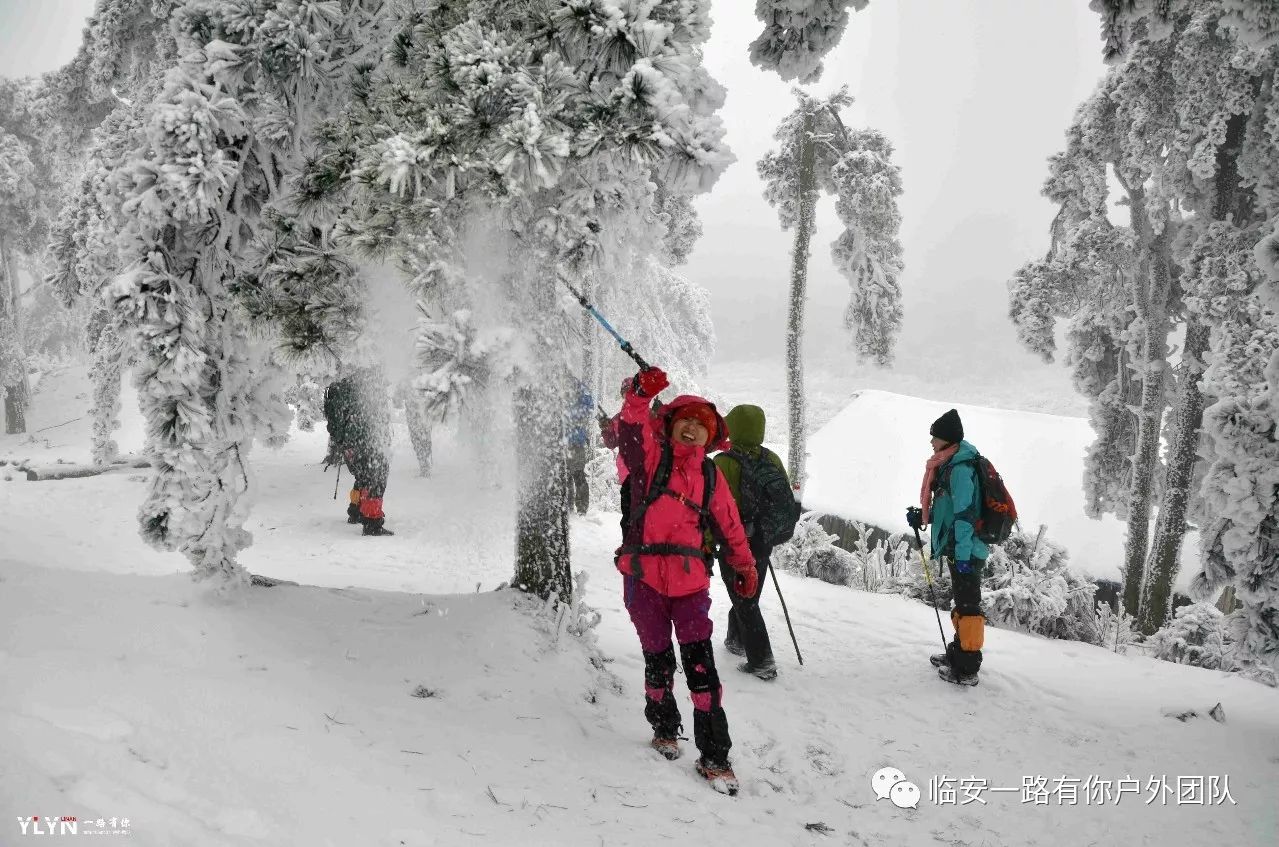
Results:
<point x="37" y="825"/>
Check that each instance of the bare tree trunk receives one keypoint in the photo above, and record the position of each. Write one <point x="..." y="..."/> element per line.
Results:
<point x="798" y="289"/>
<point x="542" y="552"/>
<point x="15" y="408"/>
<point x="1153" y="284"/>
<point x="1170" y="528"/>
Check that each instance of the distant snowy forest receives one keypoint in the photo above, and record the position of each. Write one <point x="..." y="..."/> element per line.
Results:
<point x="199" y="196"/>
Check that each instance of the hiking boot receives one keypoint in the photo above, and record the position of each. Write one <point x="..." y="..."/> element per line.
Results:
<point x="376" y="526"/>
<point x="940" y="660"/>
<point x="353" y="513"/>
<point x="765" y="670"/>
<point x="949" y="674"/>
<point x="668" y="747"/>
<point x="734" y="646"/>
<point x="720" y="776"/>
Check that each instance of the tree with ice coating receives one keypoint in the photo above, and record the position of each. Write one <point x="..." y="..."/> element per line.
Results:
<point x="1197" y="635"/>
<point x="816" y="152"/>
<point x="510" y="147"/>
<point x="798" y="34"/>
<point x="1185" y="122"/>
<point x="93" y="105"/>
<point x="214" y="145"/>
<point x="29" y="172"/>
<point x="17" y="195"/>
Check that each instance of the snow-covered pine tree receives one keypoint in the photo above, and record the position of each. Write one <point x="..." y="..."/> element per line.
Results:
<point x="1083" y="280"/>
<point x="1221" y="153"/>
<point x="95" y="105"/>
<point x="866" y="185"/>
<point x="798" y="34"/>
<point x="1185" y="122"/>
<point x="1124" y="21"/>
<point x="1134" y="94"/>
<point x="1240" y="538"/>
<point x="213" y="147"/>
<point x="26" y="188"/>
<point x="666" y="315"/>
<point x="1197" y="635"/>
<point x="816" y="152"/>
<point x="546" y="123"/>
<point x="17" y="194"/>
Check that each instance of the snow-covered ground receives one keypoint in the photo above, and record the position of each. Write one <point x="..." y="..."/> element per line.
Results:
<point x="288" y="718"/>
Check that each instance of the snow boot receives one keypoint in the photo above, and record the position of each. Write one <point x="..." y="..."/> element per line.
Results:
<point x="734" y="646"/>
<point x="376" y="526"/>
<point x="940" y="660"/>
<point x="949" y="674"/>
<point x="720" y="776"/>
<point x="353" y="513"/>
<point x="765" y="670"/>
<point x="668" y="747"/>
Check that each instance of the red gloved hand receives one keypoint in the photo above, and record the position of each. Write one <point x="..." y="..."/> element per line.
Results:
<point x="649" y="383"/>
<point x="746" y="582"/>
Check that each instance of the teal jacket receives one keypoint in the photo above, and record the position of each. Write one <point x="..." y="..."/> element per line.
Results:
<point x="955" y="508"/>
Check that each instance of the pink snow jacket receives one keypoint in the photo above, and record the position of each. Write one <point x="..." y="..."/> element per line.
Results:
<point x="672" y="519"/>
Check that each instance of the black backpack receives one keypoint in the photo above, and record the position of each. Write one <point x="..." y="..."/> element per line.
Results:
<point x="765" y="500"/>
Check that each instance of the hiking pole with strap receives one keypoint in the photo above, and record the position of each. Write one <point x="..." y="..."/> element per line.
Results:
<point x="621" y="342"/>
<point x="785" y="613"/>
<point x="337" y="481"/>
<point x="928" y="577"/>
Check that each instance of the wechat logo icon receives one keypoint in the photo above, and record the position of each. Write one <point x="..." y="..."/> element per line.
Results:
<point x="891" y="784"/>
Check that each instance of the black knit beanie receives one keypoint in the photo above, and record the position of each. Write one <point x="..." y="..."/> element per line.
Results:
<point x="948" y="428"/>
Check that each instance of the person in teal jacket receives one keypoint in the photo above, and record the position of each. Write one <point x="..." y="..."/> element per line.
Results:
<point x="950" y="501"/>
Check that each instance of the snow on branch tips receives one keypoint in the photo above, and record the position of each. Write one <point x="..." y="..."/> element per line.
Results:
<point x="798" y="34"/>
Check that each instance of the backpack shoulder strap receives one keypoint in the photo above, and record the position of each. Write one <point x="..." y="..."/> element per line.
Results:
<point x="656" y="485"/>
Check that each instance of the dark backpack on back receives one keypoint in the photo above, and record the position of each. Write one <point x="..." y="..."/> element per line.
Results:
<point x="765" y="500"/>
<point x="998" y="512"/>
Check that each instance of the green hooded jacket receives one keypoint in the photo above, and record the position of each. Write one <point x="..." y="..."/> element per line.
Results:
<point x="746" y="431"/>
<point x="955" y="509"/>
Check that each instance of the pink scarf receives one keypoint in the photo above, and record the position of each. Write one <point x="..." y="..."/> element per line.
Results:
<point x="938" y="459"/>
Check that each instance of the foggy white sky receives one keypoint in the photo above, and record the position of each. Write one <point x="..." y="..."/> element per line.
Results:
<point x="974" y="94"/>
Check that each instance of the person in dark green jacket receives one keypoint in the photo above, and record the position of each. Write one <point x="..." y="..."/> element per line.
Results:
<point x="357" y="413"/>
<point x="951" y="505"/>
<point x="747" y="634"/>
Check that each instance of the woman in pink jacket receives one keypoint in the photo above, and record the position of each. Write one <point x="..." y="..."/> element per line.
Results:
<point x="665" y="562"/>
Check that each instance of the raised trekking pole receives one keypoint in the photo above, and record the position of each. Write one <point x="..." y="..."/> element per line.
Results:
<point x="621" y="342"/>
<point x="786" y="614"/>
<point x="928" y="577"/>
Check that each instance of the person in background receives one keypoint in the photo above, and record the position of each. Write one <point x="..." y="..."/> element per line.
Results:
<point x="579" y="442"/>
<point x="747" y="633"/>
<point x="357" y="413"/>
